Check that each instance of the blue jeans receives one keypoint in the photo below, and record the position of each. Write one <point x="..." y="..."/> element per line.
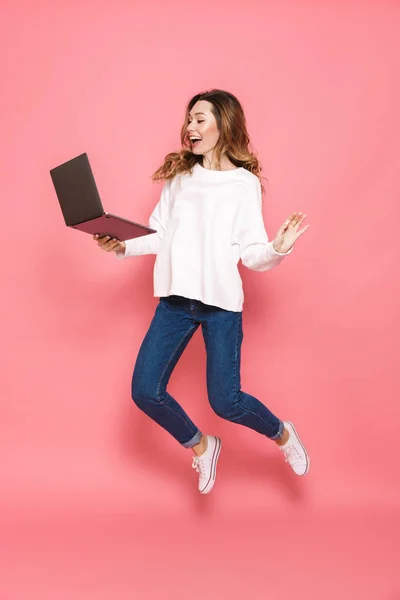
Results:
<point x="174" y="323"/>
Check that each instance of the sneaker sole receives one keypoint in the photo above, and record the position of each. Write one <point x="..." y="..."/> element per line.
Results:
<point x="213" y="473"/>
<point x="302" y="445"/>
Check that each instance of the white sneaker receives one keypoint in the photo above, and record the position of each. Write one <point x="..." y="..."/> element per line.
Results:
<point x="294" y="451"/>
<point x="206" y="464"/>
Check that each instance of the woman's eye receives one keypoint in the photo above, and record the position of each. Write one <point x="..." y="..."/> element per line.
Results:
<point x="201" y="121"/>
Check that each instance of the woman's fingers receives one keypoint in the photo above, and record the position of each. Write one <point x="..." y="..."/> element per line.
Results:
<point x="106" y="242"/>
<point x="286" y="224"/>
<point x="297" y="219"/>
<point x="101" y="240"/>
<point x="301" y="231"/>
<point x="290" y="222"/>
<point x="111" y="245"/>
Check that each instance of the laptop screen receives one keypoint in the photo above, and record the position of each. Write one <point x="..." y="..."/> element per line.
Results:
<point x="76" y="190"/>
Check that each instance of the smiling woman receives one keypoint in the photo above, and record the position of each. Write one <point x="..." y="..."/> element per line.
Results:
<point x="202" y="127"/>
<point x="207" y="219"/>
<point x="215" y="135"/>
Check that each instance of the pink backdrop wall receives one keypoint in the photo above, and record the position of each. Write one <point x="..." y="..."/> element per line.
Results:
<point x="83" y="472"/>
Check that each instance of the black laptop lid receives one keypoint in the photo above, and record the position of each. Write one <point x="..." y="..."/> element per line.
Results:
<point x="76" y="190"/>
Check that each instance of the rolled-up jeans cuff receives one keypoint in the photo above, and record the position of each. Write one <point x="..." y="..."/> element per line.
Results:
<point x="280" y="432"/>
<point x="194" y="441"/>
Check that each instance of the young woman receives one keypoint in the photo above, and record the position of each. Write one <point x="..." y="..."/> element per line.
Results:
<point x="209" y="217"/>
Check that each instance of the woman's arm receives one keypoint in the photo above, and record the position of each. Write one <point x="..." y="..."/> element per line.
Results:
<point x="149" y="244"/>
<point x="256" y="251"/>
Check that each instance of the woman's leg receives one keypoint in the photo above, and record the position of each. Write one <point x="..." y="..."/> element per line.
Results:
<point x="223" y="335"/>
<point x="168" y="335"/>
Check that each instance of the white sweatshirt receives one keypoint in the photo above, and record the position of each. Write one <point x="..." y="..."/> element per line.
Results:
<point x="206" y="222"/>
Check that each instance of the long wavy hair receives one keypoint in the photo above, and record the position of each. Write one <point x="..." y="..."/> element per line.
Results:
<point x="233" y="139"/>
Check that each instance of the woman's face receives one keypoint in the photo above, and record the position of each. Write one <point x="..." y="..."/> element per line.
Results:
<point x="202" y="130"/>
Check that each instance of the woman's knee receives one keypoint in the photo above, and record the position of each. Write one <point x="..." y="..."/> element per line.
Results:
<point x="143" y="391"/>
<point x="224" y="405"/>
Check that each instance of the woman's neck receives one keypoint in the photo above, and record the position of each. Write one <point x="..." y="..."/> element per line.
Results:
<point x="211" y="164"/>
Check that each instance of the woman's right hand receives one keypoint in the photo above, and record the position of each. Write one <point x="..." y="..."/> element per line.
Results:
<point x="109" y="244"/>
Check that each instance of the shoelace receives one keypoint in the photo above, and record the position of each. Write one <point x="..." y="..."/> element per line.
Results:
<point x="198" y="465"/>
<point x="292" y="454"/>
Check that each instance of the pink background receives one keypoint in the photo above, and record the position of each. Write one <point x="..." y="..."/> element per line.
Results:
<point x="96" y="501"/>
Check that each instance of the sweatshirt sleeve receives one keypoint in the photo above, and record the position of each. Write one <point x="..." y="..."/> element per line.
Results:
<point x="256" y="251"/>
<point x="149" y="244"/>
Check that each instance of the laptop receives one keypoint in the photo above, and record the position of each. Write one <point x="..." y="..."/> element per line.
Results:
<point x="81" y="205"/>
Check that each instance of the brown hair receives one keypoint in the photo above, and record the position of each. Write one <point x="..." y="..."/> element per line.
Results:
<point x="233" y="139"/>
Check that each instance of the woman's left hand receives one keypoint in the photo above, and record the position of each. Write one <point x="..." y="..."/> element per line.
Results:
<point x="289" y="233"/>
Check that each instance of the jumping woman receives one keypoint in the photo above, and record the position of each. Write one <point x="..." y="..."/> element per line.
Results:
<point x="209" y="217"/>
